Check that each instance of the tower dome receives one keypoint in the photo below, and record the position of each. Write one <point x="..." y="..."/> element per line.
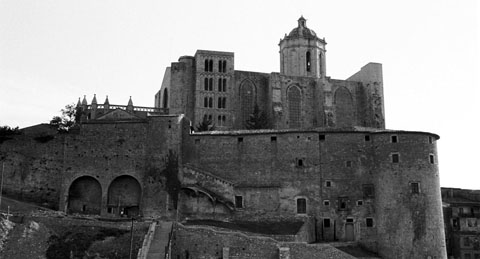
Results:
<point x="302" y="53"/>
<point x="302" y="30"/>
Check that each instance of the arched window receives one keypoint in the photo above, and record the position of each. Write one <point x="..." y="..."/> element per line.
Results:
<point x="308" y="61"/>
<point x="294" y="106"/>
<point x="205" y="102"/>
<point x="210" y="102"/>
<point x="210" y="84"/>
<point x="224" y="66"/>
<point x="165" y="98"/>
<point x="247" y="99"/>
<point x="220" y="84"/>
<point x="224" y="85"/>
<point x="205" y="84"/>
<point x="344" y="109"/>
<point x="219" y="103"/>
<point x="210" y="65"/>
<point x="224" y="102"/>
<point x="206" y="65"/>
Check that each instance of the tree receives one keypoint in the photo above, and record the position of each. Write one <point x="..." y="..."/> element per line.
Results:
<point x="205" y="125"/>
<point x="69" y="118"/>
<point x="170" y="172"/>
<point x="257" y="120"/>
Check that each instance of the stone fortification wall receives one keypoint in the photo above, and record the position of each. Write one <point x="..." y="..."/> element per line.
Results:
<point x="408" y="204"/>
<point x="206" y="242"/>
<point x="33" y="166"/>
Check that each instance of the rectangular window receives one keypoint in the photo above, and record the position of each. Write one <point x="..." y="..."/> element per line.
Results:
<point x="301" y="206"/>
<point x="395" y="158"/>
<point x="430" y="140"/>
<point x="240" y="140"/>
<point x="415" y="187"/>
<point x="326" y="203"/>
<point x="359" y="203"/>
<point x="273" y="138"/>
<point x="394" y="138"/>
<point x="343" y="203"/>
<point x="326" y="223"/>
<point x="367" y="137"/>
<point x="369" y="222"/>
<point x="368" y="191"/>
<point x="328" y="183"/>
<point x="238" y="201"/>
<point x="300" y="162"/>
<point x="349" y="220"/>
<point x="321" y="137"/>
<point x="432" y="159"/>
<point x="348" y="163"/>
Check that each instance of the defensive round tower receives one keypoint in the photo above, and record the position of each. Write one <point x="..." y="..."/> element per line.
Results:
<point x="302" y="53"/>
<point x="408" y="200"/>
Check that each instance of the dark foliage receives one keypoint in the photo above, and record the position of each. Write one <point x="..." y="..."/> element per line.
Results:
<point x="170" y="172"/>
<point x="69" y="118"/>
<point x="205" y="125"/>
<point x="6" y="132"/>
<point x="257" y="120"/>
<point x="44" y="139"/>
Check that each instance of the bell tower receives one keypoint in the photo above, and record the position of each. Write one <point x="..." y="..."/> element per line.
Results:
<point x="302" y="53"/>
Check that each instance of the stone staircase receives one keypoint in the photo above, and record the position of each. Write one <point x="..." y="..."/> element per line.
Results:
<point x="159" y="242"/>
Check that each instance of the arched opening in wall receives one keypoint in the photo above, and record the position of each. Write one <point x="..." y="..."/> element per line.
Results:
<point x="165" y="98"/>
<point x="320" y="63"/>
<point x="344" y="110"/>
<point x="294" y="106"/>
<point x="308" y="61"/>
<point x="247" y="99"/>
<point x="85" y="196"/>
<point x="124" y="194"/>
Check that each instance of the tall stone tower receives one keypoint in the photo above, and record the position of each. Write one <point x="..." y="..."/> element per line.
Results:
<point x="302" y="53"/>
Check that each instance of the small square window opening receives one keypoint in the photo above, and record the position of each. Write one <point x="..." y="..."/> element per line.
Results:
<point x="394" y="138"/>
<point x="328" y="183"/>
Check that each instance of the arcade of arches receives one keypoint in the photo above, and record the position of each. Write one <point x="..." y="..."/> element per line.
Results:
<point x="123" y="197"/>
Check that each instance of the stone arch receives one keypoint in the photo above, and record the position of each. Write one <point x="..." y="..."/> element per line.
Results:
<point x="294" y="96"/>
<point x="344" y="109"/>
<point x="124" y="196"/>
<point x="247" y="99"/>
<point x="85" y="196"/>
<point x="165" y="98"/>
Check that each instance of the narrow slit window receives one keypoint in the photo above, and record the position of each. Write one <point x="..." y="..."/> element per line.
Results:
<point x="432" y="159"/>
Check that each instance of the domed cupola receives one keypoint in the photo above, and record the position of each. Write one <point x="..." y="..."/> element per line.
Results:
<point x="302" y="53"/>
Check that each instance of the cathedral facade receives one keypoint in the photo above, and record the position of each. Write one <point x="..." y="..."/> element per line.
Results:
<point x="324" y="159"/>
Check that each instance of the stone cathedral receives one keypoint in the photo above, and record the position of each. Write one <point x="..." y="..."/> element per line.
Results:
<point x="325" y="160"/>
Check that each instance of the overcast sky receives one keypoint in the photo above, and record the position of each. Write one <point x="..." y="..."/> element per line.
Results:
<point x="53" y="52"/>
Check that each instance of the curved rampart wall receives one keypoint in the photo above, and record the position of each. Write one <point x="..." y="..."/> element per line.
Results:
<point x="409" y="219"/>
